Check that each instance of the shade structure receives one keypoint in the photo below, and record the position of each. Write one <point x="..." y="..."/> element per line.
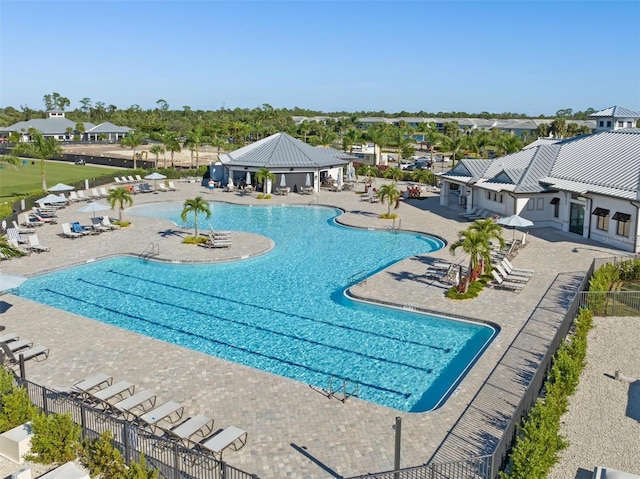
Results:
<point x="92" y="207"/>
<point x="10" y="281"/>
<point x="155" y="176"/>
<point x="51" y="199"/>
<point x="283" y="181"/>
<point x="60" y="187"/>
<point x="307" y="181"/>
<point x="247" y="179"/>
<point x="514" y="221"/>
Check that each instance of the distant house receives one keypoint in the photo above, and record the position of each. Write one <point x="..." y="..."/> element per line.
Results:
<point x="57" y="126"/>
<point x="587" y="185"/>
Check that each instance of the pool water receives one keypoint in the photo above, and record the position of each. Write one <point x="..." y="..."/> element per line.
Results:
<point x="285" y="311"/>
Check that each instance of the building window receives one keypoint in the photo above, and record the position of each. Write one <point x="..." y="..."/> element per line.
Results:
<point x="603" y="218"/>
<point x="620" y="124"/>
<point x="530" y="205"/>
<point x="488" y="195"/>
<point x="556" y="207"/>
<point x="609" y="124"/>
<point x="540" y="204"/>
<point x="601" y="123"/>
<point x="493" y="196"/>
<point x="624" y="223"/>
<point x="501" y="198"/>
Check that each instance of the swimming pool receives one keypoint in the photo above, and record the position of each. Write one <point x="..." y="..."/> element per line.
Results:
<point x="282" y="312"/>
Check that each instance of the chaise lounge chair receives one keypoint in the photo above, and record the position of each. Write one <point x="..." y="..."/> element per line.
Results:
<point x="513" y="270"/>
<point x="136" y="405"/>
<point x="511" y="277"/>
<point x="114" y="393"/>
<point x="34" y="244"/>
<point x="39" y="353"/>
<point x="192" y="430"/>
<point x="169" y="412"/>
<point x="67" y="233"/>
<point x="232" y="437"/>
<point x="517" y="287"/>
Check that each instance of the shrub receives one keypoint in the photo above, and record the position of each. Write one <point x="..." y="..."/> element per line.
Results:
<point x="16" y="407"/>
<point x="195" y="239"/>
<point x="56" y="439"/>
<point x="472" y="291"/>
<point x="100" y="457"/>
<point x="139" y="470"/>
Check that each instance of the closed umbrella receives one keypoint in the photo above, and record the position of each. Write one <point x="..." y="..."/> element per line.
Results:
<point x="283" y="181"/>
<point x="307" y="181"/>
<point x="60" y="187"/>
<point x="514" y="221"/>
<point x="340" y="178"/>
<point x="248" y="179"/>
<point x="92" y="207"/>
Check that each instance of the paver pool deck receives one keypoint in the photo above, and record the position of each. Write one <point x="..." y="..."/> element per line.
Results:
<point x="294" y="432"/>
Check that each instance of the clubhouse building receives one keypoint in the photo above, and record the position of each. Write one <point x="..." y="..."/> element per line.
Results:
<point x="587" y="185"/>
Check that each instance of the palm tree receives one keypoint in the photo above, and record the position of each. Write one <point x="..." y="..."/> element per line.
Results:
<point x="133" y="140"/>
<point x="120" y="196"/>
<point x="195" y="138"/>
<point x="423" y="176"/>
<point x="391" y="194"/>
<point x="9" y="160"/>
<point x="490" y="230"/>
<point x="8" y="250"/>
<point x="41" y="147"/>
<point x="475" y="244"/>
<point x="263" y="175"/>
<point x="396" y="174"/>
<point x="455" y="141"/>
<point x="156" y="150"/>
<point x="351" y="138"/>
<point x="368" y="171"/>
<point x="195" y="205"/>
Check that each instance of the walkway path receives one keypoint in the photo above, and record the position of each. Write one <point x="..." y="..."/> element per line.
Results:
<point x="294" y="432"/>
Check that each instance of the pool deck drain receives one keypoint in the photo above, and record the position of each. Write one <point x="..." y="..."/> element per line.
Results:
<point x="285" y="417"/>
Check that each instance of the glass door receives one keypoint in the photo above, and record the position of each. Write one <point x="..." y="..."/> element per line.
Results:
<point x="576" y="219"/>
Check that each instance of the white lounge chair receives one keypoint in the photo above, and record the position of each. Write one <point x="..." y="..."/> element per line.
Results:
<point x="22" y="231"/>
<point x="192" y="430"/>
<point x="39" y="353"/>
<point x="7" y="337"/>
<point x="103" y="192"/>
<point x="81" y="196"/>
<point x="34" y="244"/>
<point x="169" y="412"/>
<point x="106" y="221"/>
<point x="473" y="212"/>
<point x="115" y="392"/>
<point x="97" y="225"/>
<point x="232" y="437"/>
<point x="511" y="269"/>
<point x="506" y="284"/>
<point x="14" y="234"/>
<point x="133" y="406"/>
<point x="93" y="384"/>
<point x="117" y="180"/>
<point x="511" y="277"/>
<point x="67" y="233"/>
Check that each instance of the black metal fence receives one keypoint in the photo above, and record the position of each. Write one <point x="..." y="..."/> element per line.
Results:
<point x="170" y="458"/>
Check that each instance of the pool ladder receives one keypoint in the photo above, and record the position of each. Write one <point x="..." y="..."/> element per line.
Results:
<point x="359" y="274"/>
<point x="393" y="228"/>
<point x="152" y="250"/>
<point x="342" y="393"/>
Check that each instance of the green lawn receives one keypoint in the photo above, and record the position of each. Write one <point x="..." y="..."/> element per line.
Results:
<point x="23" y="180"/>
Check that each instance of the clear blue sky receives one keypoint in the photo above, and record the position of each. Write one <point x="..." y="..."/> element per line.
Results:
<point x="531" y="57"/>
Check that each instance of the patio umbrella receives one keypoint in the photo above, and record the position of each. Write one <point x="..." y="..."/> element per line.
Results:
<point x="340" y="178"/>
<point x="51" y="199"/>
<point x="230" y="184"/>
<point x="92" y="207"/>
<point x="61" y="187"/>
<point x="307" y="181"/>
<point x="514" y="221"/>
<point x="10" y="281"/>
<point x="283" y="181"/>
<point x="155" y="176"/>
<point x="248" y="179"/>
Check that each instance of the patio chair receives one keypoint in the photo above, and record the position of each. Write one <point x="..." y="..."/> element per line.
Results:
<point x="19" y="345"/>
<point x="232" y="437"/>
<point x="93" y="384"/>
<point x="106" y="221"/>
<point x="117" y="180"/>
<point x="470" y="213"/>
<point x="81" y="196"/>
<point x="479" y="215"/>
<point x="511" y="277"/>
<point x="511" y="269"/>
<point x="131" y="179"/>
<point x="517" y="287"/>
<point x="169" y="412"/>
<point x="22" y="231"/>
<point x="14" y="234"/>
<point x="103" y="192"/>
<point x="172" y="187"/>
<point x="94" y="194"/>
<point x="29" y="221"/>
<point x="133" y="406"/>
<point x="8" y="337"/>
<point x="138" y="178"/>
<point x="161" y="187"/>
<point x="39" y="353"/>
<point x="67" y="233"/>
<point x="34" y="244"/>
<point x="114" y="393"/>
<point x="78" y="228"/>
<point x="96" y="224"/>
<point x="192" y="430"/>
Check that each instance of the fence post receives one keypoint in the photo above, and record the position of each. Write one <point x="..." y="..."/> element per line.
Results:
<point x="83" y="419"/>
<point x="45" y="405"/>
<point x="176" y="461"/>
<point x="125" y="441"/>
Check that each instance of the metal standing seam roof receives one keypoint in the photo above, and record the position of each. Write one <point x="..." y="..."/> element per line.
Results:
<point x="280" y="151"/>
<point x="616" y="112"/>
<point x="607" y="163"/>
<point x="108" y="127"/>
<point x="48" y="126"/>
<point x="540" y="142"/>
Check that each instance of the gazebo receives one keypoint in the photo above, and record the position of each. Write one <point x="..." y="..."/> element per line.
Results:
<point x="286" y="157"/>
